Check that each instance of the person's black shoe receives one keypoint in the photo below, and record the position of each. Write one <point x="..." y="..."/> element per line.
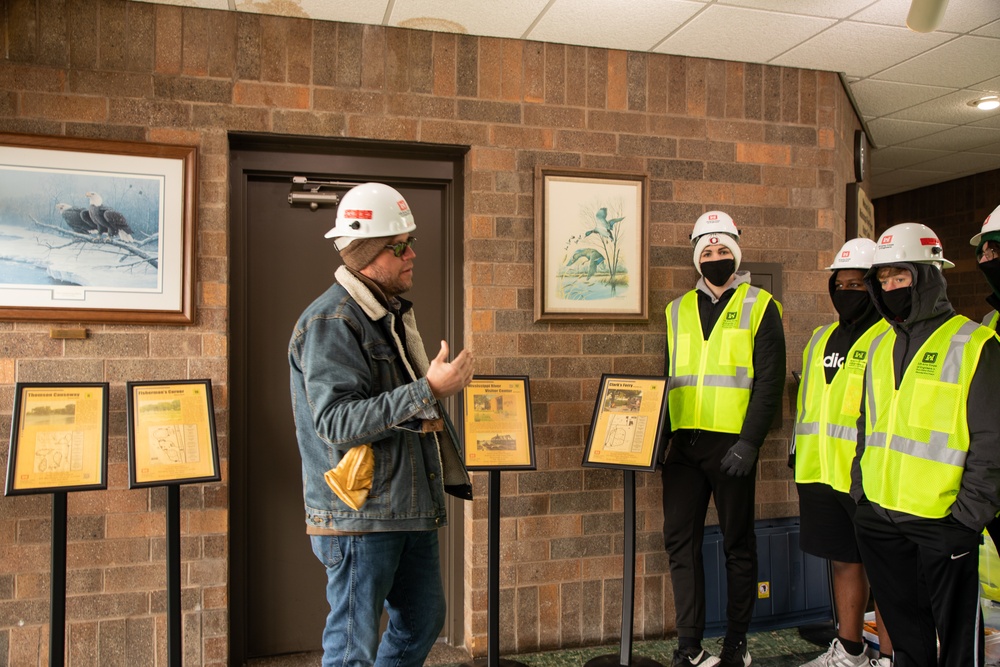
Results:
<point x="694" y="655"/>
<point x="734" y="654"/>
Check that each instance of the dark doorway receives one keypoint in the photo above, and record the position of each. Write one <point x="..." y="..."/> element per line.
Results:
<point x="280" y="262"/>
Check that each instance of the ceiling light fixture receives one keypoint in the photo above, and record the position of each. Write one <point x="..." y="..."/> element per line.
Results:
<point x="986" y="103"/>
<point x="925" y="15"/>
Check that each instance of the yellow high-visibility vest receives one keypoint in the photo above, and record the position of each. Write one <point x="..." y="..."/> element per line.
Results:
<point x="918" y="435"/>
<point x="710" y="380"/>
<point x="991" y="320"/>
<point x="826" y="422"/>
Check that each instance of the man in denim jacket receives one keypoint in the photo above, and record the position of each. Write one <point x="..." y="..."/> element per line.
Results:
<point x="378" y="450"/>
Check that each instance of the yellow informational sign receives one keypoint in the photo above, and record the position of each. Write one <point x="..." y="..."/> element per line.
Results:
<point x="172" y="433"/>
<point x="626" y="422"/>
<point x="498" y="423"/>
<point x="59" y="439"/>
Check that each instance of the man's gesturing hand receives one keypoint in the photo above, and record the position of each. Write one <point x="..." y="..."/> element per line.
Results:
<point x="447" y="379"/>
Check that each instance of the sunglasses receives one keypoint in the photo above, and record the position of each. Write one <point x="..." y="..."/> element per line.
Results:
<point x="399" y="248"/>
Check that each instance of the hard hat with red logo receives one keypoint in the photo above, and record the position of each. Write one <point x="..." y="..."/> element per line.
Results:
<point x="855" y="254"/>
<point x="371" y="210"/>
<point x="991" y="224"/>
<point x="714" y="222"/>
<point x="910" y="242"/>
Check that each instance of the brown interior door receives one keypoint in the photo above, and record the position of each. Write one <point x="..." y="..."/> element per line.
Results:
<point x="281" y="262"/>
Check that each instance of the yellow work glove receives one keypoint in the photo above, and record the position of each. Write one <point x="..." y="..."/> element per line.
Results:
<point x="351" y="480"/>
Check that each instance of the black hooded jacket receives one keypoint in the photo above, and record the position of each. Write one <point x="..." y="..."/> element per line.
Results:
<point x="979" y="494"/>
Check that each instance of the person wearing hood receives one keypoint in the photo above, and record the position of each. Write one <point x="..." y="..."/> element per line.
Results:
<point x="823" y="446"/>
<point x="725" y="362"/>
<point x="926" y="474"/>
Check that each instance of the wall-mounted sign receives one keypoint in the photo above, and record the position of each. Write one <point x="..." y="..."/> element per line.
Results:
<point x="860" y="214"/>
<point x="860" y="155"/>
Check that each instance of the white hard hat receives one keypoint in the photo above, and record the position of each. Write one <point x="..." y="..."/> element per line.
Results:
<point x="991" y="224"/>
<point x="910" y="242"/>
<point x="855" y="254"/>
<point x="371" y="210"/>
<point x="714" y="222"/>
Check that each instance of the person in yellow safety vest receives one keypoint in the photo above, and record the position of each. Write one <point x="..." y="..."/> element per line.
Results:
<point x="823" y="447"/>
<point x="926" y="475"/>
<point x="725" y="362"/>
<point x="987" y="243"/>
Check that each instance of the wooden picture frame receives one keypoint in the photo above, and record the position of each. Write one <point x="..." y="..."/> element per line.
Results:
<point x="591" y="245"/>
<point x="96" y="230"/>
<point x="59" y="438"/>
<point x="629" y="416"/>
<point x="171" y="433"/>
<point x="497" y="423"/>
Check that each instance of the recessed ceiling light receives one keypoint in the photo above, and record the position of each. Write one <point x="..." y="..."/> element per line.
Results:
<point x="986" y="103"/>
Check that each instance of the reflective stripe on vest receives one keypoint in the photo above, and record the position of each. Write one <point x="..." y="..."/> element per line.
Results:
<point x="710" y="380"/>
<point x="918" y="435"/>
<point x="991" y="319"/>
<point x="826" y="424"/>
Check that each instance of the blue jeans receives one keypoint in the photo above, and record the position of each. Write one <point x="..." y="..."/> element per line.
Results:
<point x="400" y="571"/>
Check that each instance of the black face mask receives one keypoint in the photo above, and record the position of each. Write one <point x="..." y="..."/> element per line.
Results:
<point x="851" y="304"/>
<point x="898" y="302"/>
<point x="719" y="271"/>
<point x="991" y="270"/>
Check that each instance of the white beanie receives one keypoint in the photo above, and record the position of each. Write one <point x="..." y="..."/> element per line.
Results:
<point x="706" y="240"/>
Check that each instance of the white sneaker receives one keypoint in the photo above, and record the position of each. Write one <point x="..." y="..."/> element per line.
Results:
<point x="836" y="656"/>
<point x="881" y="662"/>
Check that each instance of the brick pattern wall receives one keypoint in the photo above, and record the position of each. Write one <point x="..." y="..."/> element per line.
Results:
<point x="956" y="211"/>
<point x="769" y="145"/>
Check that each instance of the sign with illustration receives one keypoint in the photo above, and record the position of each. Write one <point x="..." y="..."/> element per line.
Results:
<point x="497" y="420"/>
<point x="590" y="245"/>
<point x="628" y="417"/>
<point x="171" y="433"/>
<point x="59" y="438"/>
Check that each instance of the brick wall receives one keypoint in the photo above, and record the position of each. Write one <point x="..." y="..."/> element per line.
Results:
<point x="770" y="145"/>
<point x="956" y="211"/>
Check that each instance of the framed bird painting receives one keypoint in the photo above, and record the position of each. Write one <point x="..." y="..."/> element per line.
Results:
<point x="96" y="231"/>
<point x="591" y="245"/>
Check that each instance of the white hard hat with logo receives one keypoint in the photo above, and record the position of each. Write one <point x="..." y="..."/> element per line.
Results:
<point x="910" y="242"/>
<point x="371" y="210"/>
<point x="991" y="224"/>
<point x="855" y="254"/>
<point x="714" y="222"/>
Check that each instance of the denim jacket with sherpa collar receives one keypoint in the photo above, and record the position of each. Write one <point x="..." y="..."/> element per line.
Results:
<point x="349" y="388"/>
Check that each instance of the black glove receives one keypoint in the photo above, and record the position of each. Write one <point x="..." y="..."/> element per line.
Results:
<point x="791" y="460"/>
<point x="739" y="460"/>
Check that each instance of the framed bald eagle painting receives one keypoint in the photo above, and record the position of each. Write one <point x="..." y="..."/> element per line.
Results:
<point x="96" y="231"/>
<point x="591" y="245"/>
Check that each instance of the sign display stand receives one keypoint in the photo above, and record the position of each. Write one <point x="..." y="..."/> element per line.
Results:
<point x="57" y="592"/>
<point x="624" y="434"/>
<point x="498" y="436"/>
<point x="625" y="657"/>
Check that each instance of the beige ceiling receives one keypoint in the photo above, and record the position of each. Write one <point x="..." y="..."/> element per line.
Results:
<point x="912" y="89"/>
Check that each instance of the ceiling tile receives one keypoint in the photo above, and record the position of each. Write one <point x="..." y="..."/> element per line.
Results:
<point x="643" y="25"/>
<point x="962" y="62"/>
<point x="961" y="16"/>
<point x="872" y="48"/>
<point x="510" y="18"/>
<point x="840" y="9"/>
<point x="991" y="30"/>
<point x="963" y="163"/>
<point x="991" y="119"/>
<point x="991" y="149"/>
<point x="886" y="132"/>
<point x="957" y="138"/>
<point x="951" y="108"/>
<point x="896" y="157"/>
<point x="881" y="98"/>
<point x="203" y="4"/>
<point x="735" y="33"/>
<point x="350" y="11"/>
